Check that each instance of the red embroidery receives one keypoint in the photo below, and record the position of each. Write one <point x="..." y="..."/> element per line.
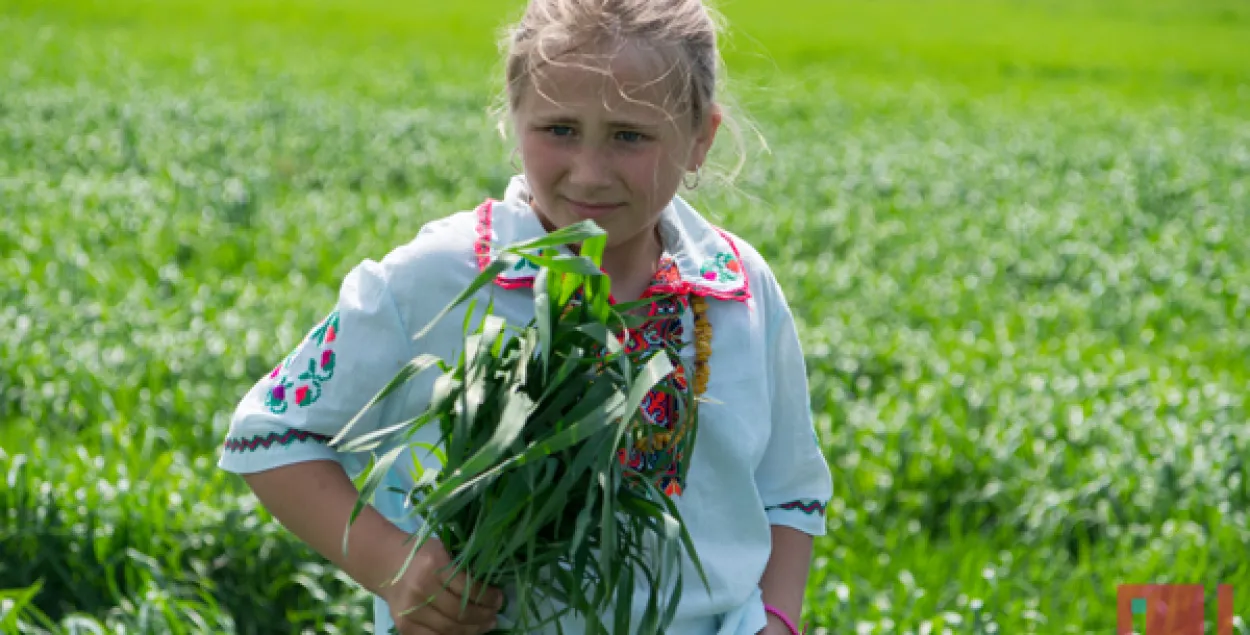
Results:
<point x="666" y="274"/>
<point x="660" y="407"/>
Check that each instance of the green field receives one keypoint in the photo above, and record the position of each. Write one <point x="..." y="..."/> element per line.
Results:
<point x="1016" y="235"/>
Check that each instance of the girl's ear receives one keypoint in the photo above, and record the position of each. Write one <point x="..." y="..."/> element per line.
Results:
<point x="704" y="138"/>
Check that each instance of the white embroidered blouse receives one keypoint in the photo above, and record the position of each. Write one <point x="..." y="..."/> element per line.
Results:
<point x="757" y="461"/>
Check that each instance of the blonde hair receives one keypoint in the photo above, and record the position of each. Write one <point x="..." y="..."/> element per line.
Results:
<point x="684" y="32"/>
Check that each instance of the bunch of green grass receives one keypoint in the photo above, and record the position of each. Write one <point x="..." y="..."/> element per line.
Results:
<point x="532" y="492"/>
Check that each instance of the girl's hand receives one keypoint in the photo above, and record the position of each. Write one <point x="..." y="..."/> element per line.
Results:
<point x="413" y="611"/>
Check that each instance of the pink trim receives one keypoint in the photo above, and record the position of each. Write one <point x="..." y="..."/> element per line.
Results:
<point x="481" y="246"/>
<point x="794" y="630"/>
<point x="482" y="249"/>
<point x="687" y="288"/>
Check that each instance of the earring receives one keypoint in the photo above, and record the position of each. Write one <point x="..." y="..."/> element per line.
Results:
<point x="698" y="176"/>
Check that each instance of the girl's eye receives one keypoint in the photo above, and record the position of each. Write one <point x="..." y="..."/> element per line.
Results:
<point x="629" y="136"/>
<point x="560" y="131"/>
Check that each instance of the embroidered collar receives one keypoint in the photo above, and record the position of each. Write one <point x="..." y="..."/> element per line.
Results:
<point x="699" y="258"/>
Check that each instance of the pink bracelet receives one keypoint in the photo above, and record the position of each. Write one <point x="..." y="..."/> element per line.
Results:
<point x="784" y="618"/>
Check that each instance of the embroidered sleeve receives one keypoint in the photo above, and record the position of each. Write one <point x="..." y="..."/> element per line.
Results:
<point x="294" y="410"/>
<point x="794" y="478"/>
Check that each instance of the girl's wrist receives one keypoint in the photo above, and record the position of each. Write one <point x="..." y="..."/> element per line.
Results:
<point x="778" y="616"/>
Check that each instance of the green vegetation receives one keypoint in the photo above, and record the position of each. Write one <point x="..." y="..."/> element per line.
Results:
<point x="1015" y="233"/>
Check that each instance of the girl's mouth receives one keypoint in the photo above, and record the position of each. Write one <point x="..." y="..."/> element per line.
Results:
<point x="592" y="210"/>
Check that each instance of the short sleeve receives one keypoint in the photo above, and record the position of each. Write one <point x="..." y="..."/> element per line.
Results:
<point x="292" y="413"/>
<point x="793" y="478"/>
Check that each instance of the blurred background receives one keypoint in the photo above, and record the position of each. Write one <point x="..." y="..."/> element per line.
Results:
<point x="1014" y="232"/>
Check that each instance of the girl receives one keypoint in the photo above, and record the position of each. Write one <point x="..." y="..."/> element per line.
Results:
<point x="614" y="106"/>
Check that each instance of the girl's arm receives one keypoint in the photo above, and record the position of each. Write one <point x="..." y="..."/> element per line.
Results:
<point x="314" y="500"/>
<point x="793" y="476"/>
<point x="785" y="577"/>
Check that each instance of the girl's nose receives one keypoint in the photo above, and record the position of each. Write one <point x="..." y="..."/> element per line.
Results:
<point x="591" y="168"/>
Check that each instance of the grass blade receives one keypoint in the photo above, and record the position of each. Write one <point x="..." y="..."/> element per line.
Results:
<point x="376" y="474"/>
<point x="419" y="364"/>
<point x="371" y="441"/>
<point x="576" y="233"/>
<point x="566" y="264"/>
<point x="624" y="603"/>
<point x="484" y="278"/>
<point x="543" y="310"/>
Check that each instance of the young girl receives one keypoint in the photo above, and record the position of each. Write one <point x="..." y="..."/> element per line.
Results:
<point x="614" y="106"/>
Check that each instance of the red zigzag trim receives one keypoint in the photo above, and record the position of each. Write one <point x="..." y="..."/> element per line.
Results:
<point x="814" y="507"/>
<point x="280" y="438"/>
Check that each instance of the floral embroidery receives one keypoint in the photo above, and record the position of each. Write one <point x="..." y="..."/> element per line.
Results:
<point x="667" y="273"/>
<point x="306" y="387"/>
<point x="275" y="400"/>
<point x="327" y="331"/>
<point x="811" y="507"/>
<point x="723" y="267"/>
<point x="670" y="278"/>
<point x="266" y="441"/>
<point x="660" y="407"/>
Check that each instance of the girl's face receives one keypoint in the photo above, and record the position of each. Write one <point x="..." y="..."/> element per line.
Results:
<point x="609" y="147"/>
